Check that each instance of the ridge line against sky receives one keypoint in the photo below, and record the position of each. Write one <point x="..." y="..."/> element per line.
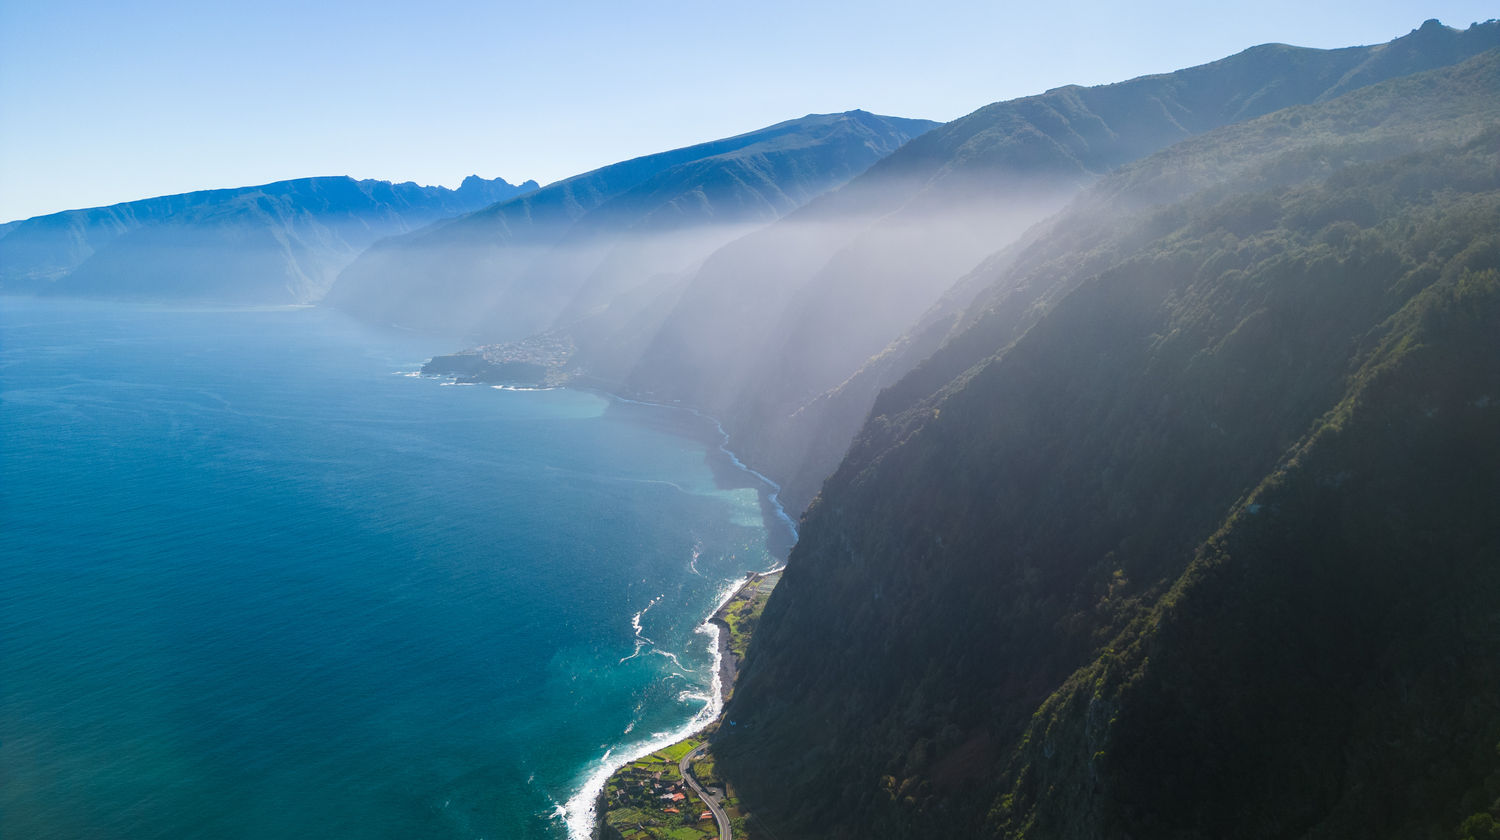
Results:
<point x="104" y="103"/>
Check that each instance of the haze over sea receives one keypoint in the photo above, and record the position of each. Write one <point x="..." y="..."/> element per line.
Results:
<point x="256" y="583"/>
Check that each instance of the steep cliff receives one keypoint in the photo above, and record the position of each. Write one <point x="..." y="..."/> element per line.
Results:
<point x="1189" y="528"/>
<point x="789" y="334"/>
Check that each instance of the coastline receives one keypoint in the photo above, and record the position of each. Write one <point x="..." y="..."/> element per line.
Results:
<point x="771" y="488"/>
<point x="582" y="813"/>
<point x="775" y="514"/>
<point x="728" y="660"/>
<point x="726" y="665"/>
<point x="724" y="659"/>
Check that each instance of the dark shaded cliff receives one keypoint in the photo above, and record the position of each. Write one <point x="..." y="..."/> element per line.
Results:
<point x="1190" y="526"/>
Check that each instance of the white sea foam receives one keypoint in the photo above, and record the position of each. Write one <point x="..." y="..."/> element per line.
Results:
<point x="641" y="641"/>
<point x="675" y="660"/>
<point x="638" y="646"/>
<point x="580" y="812"/>
<point x="635" y="620"/>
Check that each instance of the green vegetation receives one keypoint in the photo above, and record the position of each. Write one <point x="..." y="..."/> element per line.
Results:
<point x="634" y="807"/>
<point x="1191" y="528"/>
<point x="744" y="826"/>
<point x="648" y="799"/>
<point x="790" y="337"/>
<point x="743" y="612"/>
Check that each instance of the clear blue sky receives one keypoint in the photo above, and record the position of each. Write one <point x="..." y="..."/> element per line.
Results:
<point x="107" y="102"/>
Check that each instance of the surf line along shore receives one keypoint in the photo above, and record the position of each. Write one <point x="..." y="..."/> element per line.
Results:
<point x="755" y="586"/>
<point x="652" y="795"/>
<point x="584" y="811"/>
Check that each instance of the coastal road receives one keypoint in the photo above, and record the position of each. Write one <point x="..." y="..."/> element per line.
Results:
<point x="714" y="808"/>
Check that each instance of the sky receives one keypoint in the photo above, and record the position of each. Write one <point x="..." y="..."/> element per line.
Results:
<point x="109" y="102"/>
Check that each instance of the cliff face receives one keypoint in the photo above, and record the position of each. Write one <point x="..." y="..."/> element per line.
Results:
<point x="790" y="334"/>
<point x="1326" y="665"/>
<point x="270" y="244"/>
<point x="1189" y="526"/>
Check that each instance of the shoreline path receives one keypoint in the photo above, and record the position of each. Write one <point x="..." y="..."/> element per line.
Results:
<point x="713" y="806"/>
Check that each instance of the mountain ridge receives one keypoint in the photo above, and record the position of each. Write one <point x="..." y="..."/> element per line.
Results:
<point x="514" y="268"/>
<point x="806" y="429"/>
<point x="965" y="626"/>
<point x="792" y="331"/>
<point x="277" y="242"/>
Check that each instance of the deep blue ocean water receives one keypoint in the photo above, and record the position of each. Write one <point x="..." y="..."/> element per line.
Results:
<point x="254" y="583"/>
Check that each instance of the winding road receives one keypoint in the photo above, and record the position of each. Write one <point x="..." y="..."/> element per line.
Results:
<point x="714" y="808"/>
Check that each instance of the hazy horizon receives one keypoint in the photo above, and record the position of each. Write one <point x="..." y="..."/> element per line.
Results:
<point x="106" y="105"/>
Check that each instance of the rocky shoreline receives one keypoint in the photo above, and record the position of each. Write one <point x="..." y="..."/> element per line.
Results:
<point x="729" y="661"/>
<point x="734" y="619"/>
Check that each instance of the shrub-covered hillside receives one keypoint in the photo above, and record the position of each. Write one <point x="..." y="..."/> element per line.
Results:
<point x="1194" y="532"/>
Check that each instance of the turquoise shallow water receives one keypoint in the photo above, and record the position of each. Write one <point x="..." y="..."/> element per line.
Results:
<point x="256" y="584"/>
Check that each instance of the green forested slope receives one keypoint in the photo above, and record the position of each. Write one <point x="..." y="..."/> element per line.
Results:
<point x="1327" y="665"/>
<point x="777" y="332"/>
<point x="995" y="623"/>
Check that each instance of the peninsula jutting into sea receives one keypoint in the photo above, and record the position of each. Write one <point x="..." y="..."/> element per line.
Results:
<point x="1118" y="460"/>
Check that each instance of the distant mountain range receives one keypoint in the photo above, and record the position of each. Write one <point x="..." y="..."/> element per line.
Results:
<point x="283" y="242"/>
<point x="575" y="246"/>
<point x="790" y="333"/>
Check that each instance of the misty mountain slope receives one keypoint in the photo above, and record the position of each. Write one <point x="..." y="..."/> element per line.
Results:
<point x="567" y="249"/>
<point x="1006" y="294"/>
<point x="769" y="336"/>
<point x="276" y="243"/>
<point x="732" y="192"/>
<point x="992" y="545"/>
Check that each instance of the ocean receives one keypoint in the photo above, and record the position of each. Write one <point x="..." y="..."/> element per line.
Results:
<point x="257" y="580"/>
